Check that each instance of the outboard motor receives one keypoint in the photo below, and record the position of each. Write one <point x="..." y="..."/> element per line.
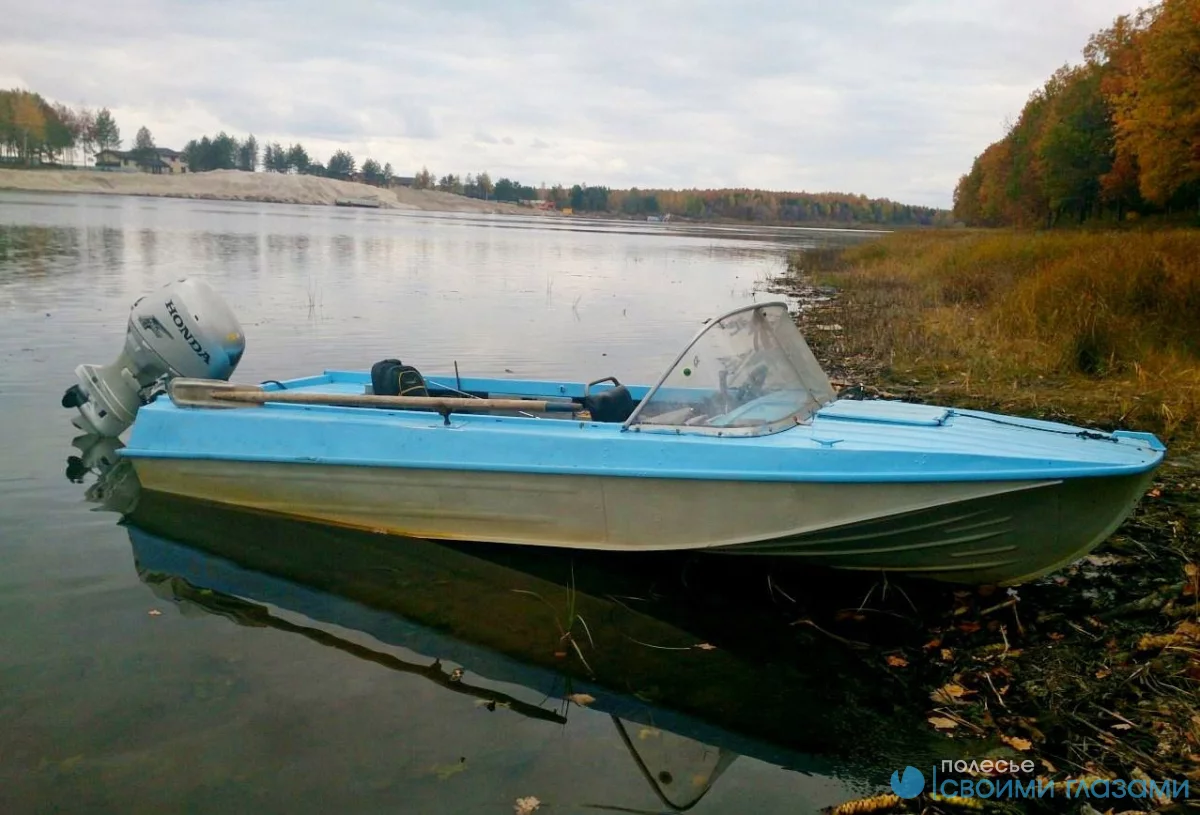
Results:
<point x="184" y="330"/>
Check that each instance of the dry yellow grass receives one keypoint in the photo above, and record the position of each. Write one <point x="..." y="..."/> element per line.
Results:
<point x="1100" y="325"/>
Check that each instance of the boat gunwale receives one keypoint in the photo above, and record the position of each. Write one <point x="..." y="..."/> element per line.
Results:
<point x="690" y="474"/>
<point x="1028" y="467"/>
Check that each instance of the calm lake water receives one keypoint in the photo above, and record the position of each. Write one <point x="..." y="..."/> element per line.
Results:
<point x="183" y="660"/>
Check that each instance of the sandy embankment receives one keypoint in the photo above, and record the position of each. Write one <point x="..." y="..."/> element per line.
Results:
<point x="234" y="185"/>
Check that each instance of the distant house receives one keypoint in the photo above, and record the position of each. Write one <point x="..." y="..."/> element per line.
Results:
<point x="402" y="181"/>
<point x="163" y="161"/>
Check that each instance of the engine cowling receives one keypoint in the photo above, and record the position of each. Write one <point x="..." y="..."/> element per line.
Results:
<point x="186" y="329"/>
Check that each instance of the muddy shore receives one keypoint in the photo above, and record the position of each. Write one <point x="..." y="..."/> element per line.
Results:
<point x="1092" y="672"/>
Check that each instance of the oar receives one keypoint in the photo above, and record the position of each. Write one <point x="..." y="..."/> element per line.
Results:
<point x="216" y="393"/>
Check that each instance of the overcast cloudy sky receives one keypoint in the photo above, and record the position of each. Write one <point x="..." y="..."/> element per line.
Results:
<point x="889" y="98"/>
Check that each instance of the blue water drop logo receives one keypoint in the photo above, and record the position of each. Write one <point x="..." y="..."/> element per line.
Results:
<point x="910" y="785"/>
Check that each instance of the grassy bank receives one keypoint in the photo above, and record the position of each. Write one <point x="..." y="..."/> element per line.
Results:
<point x="1104" y="326"/>
<point x="1095" y="670"/>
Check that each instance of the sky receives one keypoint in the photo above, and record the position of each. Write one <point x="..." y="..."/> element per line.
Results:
<point x="887" y="98"/>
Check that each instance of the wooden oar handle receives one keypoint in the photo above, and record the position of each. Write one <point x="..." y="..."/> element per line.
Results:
<point x="434" y="403"/>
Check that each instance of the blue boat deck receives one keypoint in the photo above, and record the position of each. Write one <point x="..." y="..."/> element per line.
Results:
<point x="846" y="441"/>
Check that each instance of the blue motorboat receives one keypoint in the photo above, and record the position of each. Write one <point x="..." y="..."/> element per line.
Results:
<point x="741" y="447"/>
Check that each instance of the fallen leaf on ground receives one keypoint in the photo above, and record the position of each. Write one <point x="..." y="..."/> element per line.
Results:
<point x="950" y="694"/>
<point x="524" y="806"/>
<point x="942" y="723"/>
<point x="154" y="612"/>
<point x="1102" y="673"/>
<point x="1120" y="726"/>
<point x="705" y="646"/>
<point x="582" y="698"/>
<point x="1016" y="742"/>
<point x="934" y="643"/>
<point x="648" y="733"/>
<point x="897" y="661"/>
<point x="947" y="655"/>
<point x="968" y="627"/>
<point x="1185" y="633"/>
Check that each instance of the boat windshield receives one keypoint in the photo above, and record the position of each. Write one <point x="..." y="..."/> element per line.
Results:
<point x="747" y="373"/>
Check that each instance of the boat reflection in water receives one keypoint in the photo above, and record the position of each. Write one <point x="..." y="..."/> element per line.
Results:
<point x="692" y="678"/>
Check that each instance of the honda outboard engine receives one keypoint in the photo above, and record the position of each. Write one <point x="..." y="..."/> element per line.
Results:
<point x="184" y="330"/>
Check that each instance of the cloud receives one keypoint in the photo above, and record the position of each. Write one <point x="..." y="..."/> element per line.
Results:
<point x="884" y="98"/>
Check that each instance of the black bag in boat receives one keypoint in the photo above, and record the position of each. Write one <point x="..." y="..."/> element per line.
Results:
<point x="391" y="377"/>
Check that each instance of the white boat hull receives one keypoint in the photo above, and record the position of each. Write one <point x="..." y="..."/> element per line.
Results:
<point x="1001" y="532"/>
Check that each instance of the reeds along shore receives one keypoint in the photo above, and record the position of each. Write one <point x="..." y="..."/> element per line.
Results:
<point x="1101" y="326"/>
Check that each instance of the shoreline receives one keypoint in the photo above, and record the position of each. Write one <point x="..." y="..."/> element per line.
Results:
<point x="274" y="188"/>
<point x="235" y="185"/>
<point x="1092" y="671"/>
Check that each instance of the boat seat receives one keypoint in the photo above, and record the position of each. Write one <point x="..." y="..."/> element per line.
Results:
<point x="613" y="404"/>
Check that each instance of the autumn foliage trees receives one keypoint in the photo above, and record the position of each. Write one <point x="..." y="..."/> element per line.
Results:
<point x="34" y="131"/>
<point x="1118" y="134"/>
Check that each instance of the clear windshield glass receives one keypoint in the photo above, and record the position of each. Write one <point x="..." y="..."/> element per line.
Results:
<point x="750" y="369"/>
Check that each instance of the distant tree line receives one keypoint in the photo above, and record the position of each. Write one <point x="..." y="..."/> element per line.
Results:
<point x="475" y="186"/>
<point x="225" y="152"/>
<point x="1118" y="134"/>
<point x="34" y="131"/>
<point x="741" y="204"/>
<point x="767" y="206"/>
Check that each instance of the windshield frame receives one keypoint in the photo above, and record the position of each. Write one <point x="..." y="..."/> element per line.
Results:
<point x="828" y="393"/>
